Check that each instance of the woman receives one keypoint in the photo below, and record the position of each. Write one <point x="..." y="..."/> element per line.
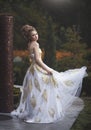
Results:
<point x="46" y="93"/>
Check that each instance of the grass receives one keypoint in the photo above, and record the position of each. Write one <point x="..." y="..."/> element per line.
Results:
<point x="83" y="121"/>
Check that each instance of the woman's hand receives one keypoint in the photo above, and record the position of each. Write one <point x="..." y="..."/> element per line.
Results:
<point x="49" y="71"/>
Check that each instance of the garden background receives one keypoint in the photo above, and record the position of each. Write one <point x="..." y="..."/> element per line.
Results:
<point x="64" y="37"/>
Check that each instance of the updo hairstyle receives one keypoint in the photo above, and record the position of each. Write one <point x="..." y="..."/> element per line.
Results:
<point x="26" y="31"/>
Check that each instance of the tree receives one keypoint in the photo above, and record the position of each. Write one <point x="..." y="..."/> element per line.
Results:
<point x="74" y="42"/>
<point x="50" y="46"/>
<point x="77" y="48"/>
<point x="85" y="21"/>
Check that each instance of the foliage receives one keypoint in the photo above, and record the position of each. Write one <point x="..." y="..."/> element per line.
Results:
<point x="20" y="69"/>
<point x="73" y="41"/>
<point x="86" y="90"/>
<point x="88" y="57"/>
<point x="77" y="48"/>
<point x="50" y="57"/>
<point x="25" y="12"/>
<point x="16" y="93"/>
<point x="70" y="62"/>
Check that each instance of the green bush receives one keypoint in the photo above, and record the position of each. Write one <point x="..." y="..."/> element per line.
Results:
<point x="20" y="69"/>
<point x="87" y="85"/>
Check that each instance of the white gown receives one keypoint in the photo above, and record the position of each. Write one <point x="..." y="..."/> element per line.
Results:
<point x="45" y="98"/>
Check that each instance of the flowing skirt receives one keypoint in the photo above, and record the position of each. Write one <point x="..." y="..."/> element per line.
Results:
<point x="45" y="98"/>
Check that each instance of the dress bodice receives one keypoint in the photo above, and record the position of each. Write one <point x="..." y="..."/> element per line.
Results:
<point x="32" y="55"/>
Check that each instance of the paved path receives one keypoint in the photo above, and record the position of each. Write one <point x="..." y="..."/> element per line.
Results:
<point x="8" y="123"/>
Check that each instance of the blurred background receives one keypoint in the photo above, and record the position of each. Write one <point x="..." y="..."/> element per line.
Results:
<point x="64" y="27"/>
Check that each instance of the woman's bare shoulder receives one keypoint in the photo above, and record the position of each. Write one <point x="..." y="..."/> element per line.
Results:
<point x="33" y="45"/>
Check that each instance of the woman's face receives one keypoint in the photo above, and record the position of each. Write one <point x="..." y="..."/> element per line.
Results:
<point x="34" y="36"/>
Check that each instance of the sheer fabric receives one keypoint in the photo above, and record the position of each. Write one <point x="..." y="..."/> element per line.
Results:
<point x="45" y="98"/>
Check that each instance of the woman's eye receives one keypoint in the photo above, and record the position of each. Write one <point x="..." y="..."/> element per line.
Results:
<point x="34" y="34"/>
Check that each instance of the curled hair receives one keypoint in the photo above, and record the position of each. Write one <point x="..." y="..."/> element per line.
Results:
<point x="26" y="30"/>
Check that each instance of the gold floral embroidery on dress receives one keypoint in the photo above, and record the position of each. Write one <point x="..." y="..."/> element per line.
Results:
<point x="46" y="79"/>
<point x="32" y="69"/>
<point x="37" y="84"/>
<point x="30" y="85"/>
<point x="40" y="69"/>
<point x="54" y="82"/>
<point x="33" y="101"/>
<point x="44" y="95"/>
<point x="51" y="112"/>
<point x="69" y="83"/>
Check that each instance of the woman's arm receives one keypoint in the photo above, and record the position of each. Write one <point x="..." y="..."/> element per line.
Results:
<point x="39" y="60"/>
